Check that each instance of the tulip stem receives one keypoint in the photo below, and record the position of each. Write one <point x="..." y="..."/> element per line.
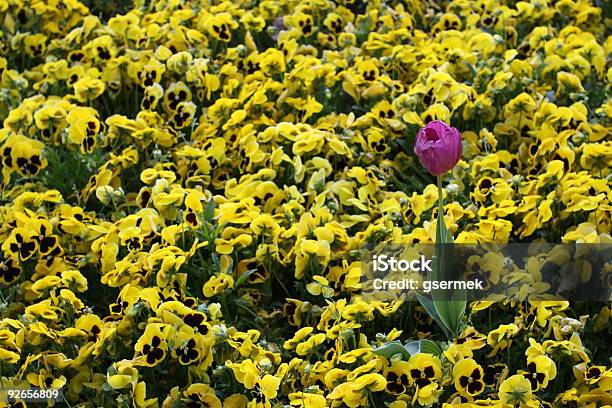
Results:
<point x="440" y="205"/>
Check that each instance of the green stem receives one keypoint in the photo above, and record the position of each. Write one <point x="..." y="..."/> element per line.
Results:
<point x="440" y="204"/>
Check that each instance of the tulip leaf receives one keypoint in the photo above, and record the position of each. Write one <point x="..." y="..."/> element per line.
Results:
<point x="448" y="304"/>
<point x="423" y="346"/>
<point x="429" y="347"/>
<point x="392" y="348"/>
<point x="430" y="308"/>
<point x="413" y="347"/>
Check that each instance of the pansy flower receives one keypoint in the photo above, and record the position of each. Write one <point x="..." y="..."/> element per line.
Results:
<point x="84" y="127"/>
<point x="10" y="270"/>
<point x="541" y="370"/>
<point x="186" y="349"/>
<point x="22" y="242"/>
<point x="469" y="377"/>
<point x="200" y="395"/>
<point x="151" y="347"/>
<point x="397" y="377"/>
<point x="424" y="369"/>
<point x="515" y="390"/>
<point x="221" y="26"/>
<point x="24" y="155"/>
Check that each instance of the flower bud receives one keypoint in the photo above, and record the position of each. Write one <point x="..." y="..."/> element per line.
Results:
<point x="438" y="147"/>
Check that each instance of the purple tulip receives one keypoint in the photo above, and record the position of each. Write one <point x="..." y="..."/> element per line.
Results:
<point x="438" y="147"/>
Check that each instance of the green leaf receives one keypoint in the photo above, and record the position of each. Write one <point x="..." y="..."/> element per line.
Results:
<point x="423" y="346"/>
<point x="449" y="304"/>
<point x="209" y="210"/>
<point x="472" y="69"/>
<point x="446" y="306"/>
<point x="395" y="348"/>
<point x="430" y="347"/>
<point x="430" y="308"/>
<point x="392" y="348"/>
<point x="451" y="312"/>
<point x="242" y="278"/>
<point x="413" y="347"/>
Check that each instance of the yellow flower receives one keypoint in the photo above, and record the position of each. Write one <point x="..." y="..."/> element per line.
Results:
<point x="320" y="286"/>
<point x="426" y="395"/>
<point x="153" y="94"/>
<point x="542" y="369"/>
<point x="311" y="251"/>
<point x="501" y="338"/>
<point x="217" y="284"/>
<point x="269" y="386"/>
<point x="307" y="400"/>
<point x="151" y="347"/>
<point x="125" y="375"/>
<point x="469" y="377"/>
<point x="23" y="154"/>
<point x="221" y="26"/>
<point x="424" y="370"/>
<point x="35" y="44"/>
<point x="568" y="82"/>
<point x="84" y="127"/>
<point x="86" y="89"/>
<point x="297" y="337"/>
<point x="45" y="379"/>
<point x="201" y="394"/>
<point x="515" y="390"/>
<point x="397" y="377"/>
<point x="245" y="372"/>
<point x="306" y="346"/>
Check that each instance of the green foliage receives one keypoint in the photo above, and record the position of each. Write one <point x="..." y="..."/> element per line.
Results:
<point x="395" y="349"/>
<point x="449" y="305"/>
<point x="69" y="171"/>
<point x="106" y="9"/>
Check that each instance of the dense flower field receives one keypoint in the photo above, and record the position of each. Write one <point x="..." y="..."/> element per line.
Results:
<point x="186" y="187"/>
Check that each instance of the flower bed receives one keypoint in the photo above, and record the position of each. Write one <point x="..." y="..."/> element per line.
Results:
<point x="187" y="188"/>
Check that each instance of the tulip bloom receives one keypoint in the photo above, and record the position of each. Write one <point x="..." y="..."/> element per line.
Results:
<point x="438" y="147"/>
